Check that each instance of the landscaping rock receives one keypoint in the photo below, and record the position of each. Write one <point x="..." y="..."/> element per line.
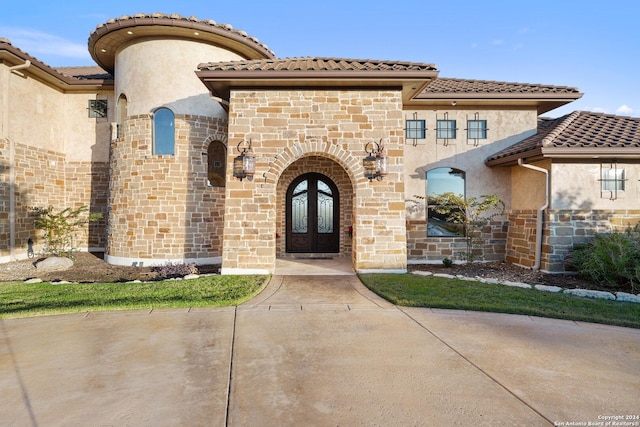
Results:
<point x="191" y="276"/>
<point x="446" y="276"/>
<point x="55" y="263"/>
<point x="517" y="284"/>
<point x="590" y="294"/>
<point x="34" y="280"/>
<point x="623" y="296"/>
<point x="489" y="280"/>
<point x="422" y="273"/>
<point x="546" y="288"/>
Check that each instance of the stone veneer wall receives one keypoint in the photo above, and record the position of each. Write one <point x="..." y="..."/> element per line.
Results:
<point x="565" y="228"/>
<point x="521" y="238"/>
<point x="87" y="184"/>
<point x="338" y="175"/>
<point x="42" y="179"/>
<point x="161" y="208"/>
<point x="562" y="229"/>
<point x="287" y="125"/>
<point x="423" y="249"/>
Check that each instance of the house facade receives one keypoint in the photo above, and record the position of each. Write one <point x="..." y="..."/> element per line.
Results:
<point x="198" y="144"/>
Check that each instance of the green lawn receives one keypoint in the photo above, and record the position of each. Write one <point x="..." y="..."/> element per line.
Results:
<point x="436" y="292"/>
<point x="18" y="299"/>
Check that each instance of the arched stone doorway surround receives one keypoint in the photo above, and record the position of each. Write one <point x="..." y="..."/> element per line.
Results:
<point x="254" y="213"/>
<point x="337" y="174"/>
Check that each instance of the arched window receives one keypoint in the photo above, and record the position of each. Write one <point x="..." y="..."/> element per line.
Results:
<point x="440" y="181"/>
<point x="216" y="164"/>
<point x="163" y="132"/>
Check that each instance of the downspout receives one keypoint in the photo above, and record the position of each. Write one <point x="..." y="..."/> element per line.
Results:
<point x="12" y="154"/>
<point x="540" y="211"/>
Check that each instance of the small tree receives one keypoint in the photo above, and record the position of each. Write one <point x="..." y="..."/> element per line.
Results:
<point x="472" y="213"/>
<point x="60" y="228"/>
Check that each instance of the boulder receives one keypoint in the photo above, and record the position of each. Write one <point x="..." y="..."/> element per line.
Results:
<point x="55" y="263"/>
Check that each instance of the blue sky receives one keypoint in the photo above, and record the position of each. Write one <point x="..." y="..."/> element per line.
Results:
<point x="589" y="45"/>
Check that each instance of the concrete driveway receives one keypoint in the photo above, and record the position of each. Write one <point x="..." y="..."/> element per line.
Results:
<point x="320" y="351"/>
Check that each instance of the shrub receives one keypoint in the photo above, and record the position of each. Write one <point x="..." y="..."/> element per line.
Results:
<point x="470" y="213"/>
<point x="611" y="260"/>
<point x="60" y="228"/>
<point x="172" y="270"/>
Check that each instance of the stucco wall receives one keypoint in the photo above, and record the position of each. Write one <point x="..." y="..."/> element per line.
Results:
<point x="154" y="73"/>
<point x="528" y="186"/>
<point x="41" y="116"/>
<point x="576" y="185"/>
<point x="505" y="128"/>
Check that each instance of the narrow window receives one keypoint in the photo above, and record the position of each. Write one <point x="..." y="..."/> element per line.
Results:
<point x="440" y="181"/>
<point x="122" y="115"/>
<point x="446" y="129"/>
<point x="163" y="132"/>
<point x="216" y="164"/>
<point x="416" y="129"/>
<point x="476" y="129"/>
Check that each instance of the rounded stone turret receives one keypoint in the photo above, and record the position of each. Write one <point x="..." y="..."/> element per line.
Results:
<point x="162" y="206"/>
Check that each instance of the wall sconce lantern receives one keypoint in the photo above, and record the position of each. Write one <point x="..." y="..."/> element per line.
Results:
<point x="375" y="164"/>
<point x="244" y="165"/>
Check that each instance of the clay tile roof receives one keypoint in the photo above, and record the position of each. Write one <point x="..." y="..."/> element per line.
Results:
<point x="84" y="73"/>
<point x="106" y="38"/>
<point x="316" y="64"/>
<point x="483" y="87"/>
<point x="579" y="134"/>
<point x="158" y="18"/>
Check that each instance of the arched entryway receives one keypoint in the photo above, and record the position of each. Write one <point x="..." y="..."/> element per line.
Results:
<point x="313" y="215"/>
<point x="334" y="181"/>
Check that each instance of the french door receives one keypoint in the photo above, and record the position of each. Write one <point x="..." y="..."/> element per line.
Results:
<point x="312" y="213"/>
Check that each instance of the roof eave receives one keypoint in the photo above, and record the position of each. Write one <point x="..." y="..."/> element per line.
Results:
<point x="512" y="160"/>
<point x="591" y="153"/>
<point x="566" y="153"/>
<point x="14" y="56"/>
<point x="221" y="82"/>
<point x="543" y="103"/>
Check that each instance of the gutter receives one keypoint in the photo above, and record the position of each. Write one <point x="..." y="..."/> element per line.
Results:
<point x="12" y="154"/>
<point x="540" y="211"/>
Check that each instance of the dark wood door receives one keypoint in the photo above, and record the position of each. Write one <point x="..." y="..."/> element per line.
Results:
<point x="313" y="215"/>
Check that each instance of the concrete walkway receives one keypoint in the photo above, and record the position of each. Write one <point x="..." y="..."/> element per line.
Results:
<point x="314" y="351"/>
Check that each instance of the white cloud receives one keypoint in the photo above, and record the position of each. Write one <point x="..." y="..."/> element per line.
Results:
<point x="36" y="42"/>
<point x="624" y="110"/>
<point x="497" y="42"/>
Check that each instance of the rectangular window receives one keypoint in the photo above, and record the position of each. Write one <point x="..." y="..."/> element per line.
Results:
<point x="446" y="129"/>
<point x="612" y="179"/>
<point x="416" y="129"/>
<point x="97" y="108"/>
<point x="476" y="129"/>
